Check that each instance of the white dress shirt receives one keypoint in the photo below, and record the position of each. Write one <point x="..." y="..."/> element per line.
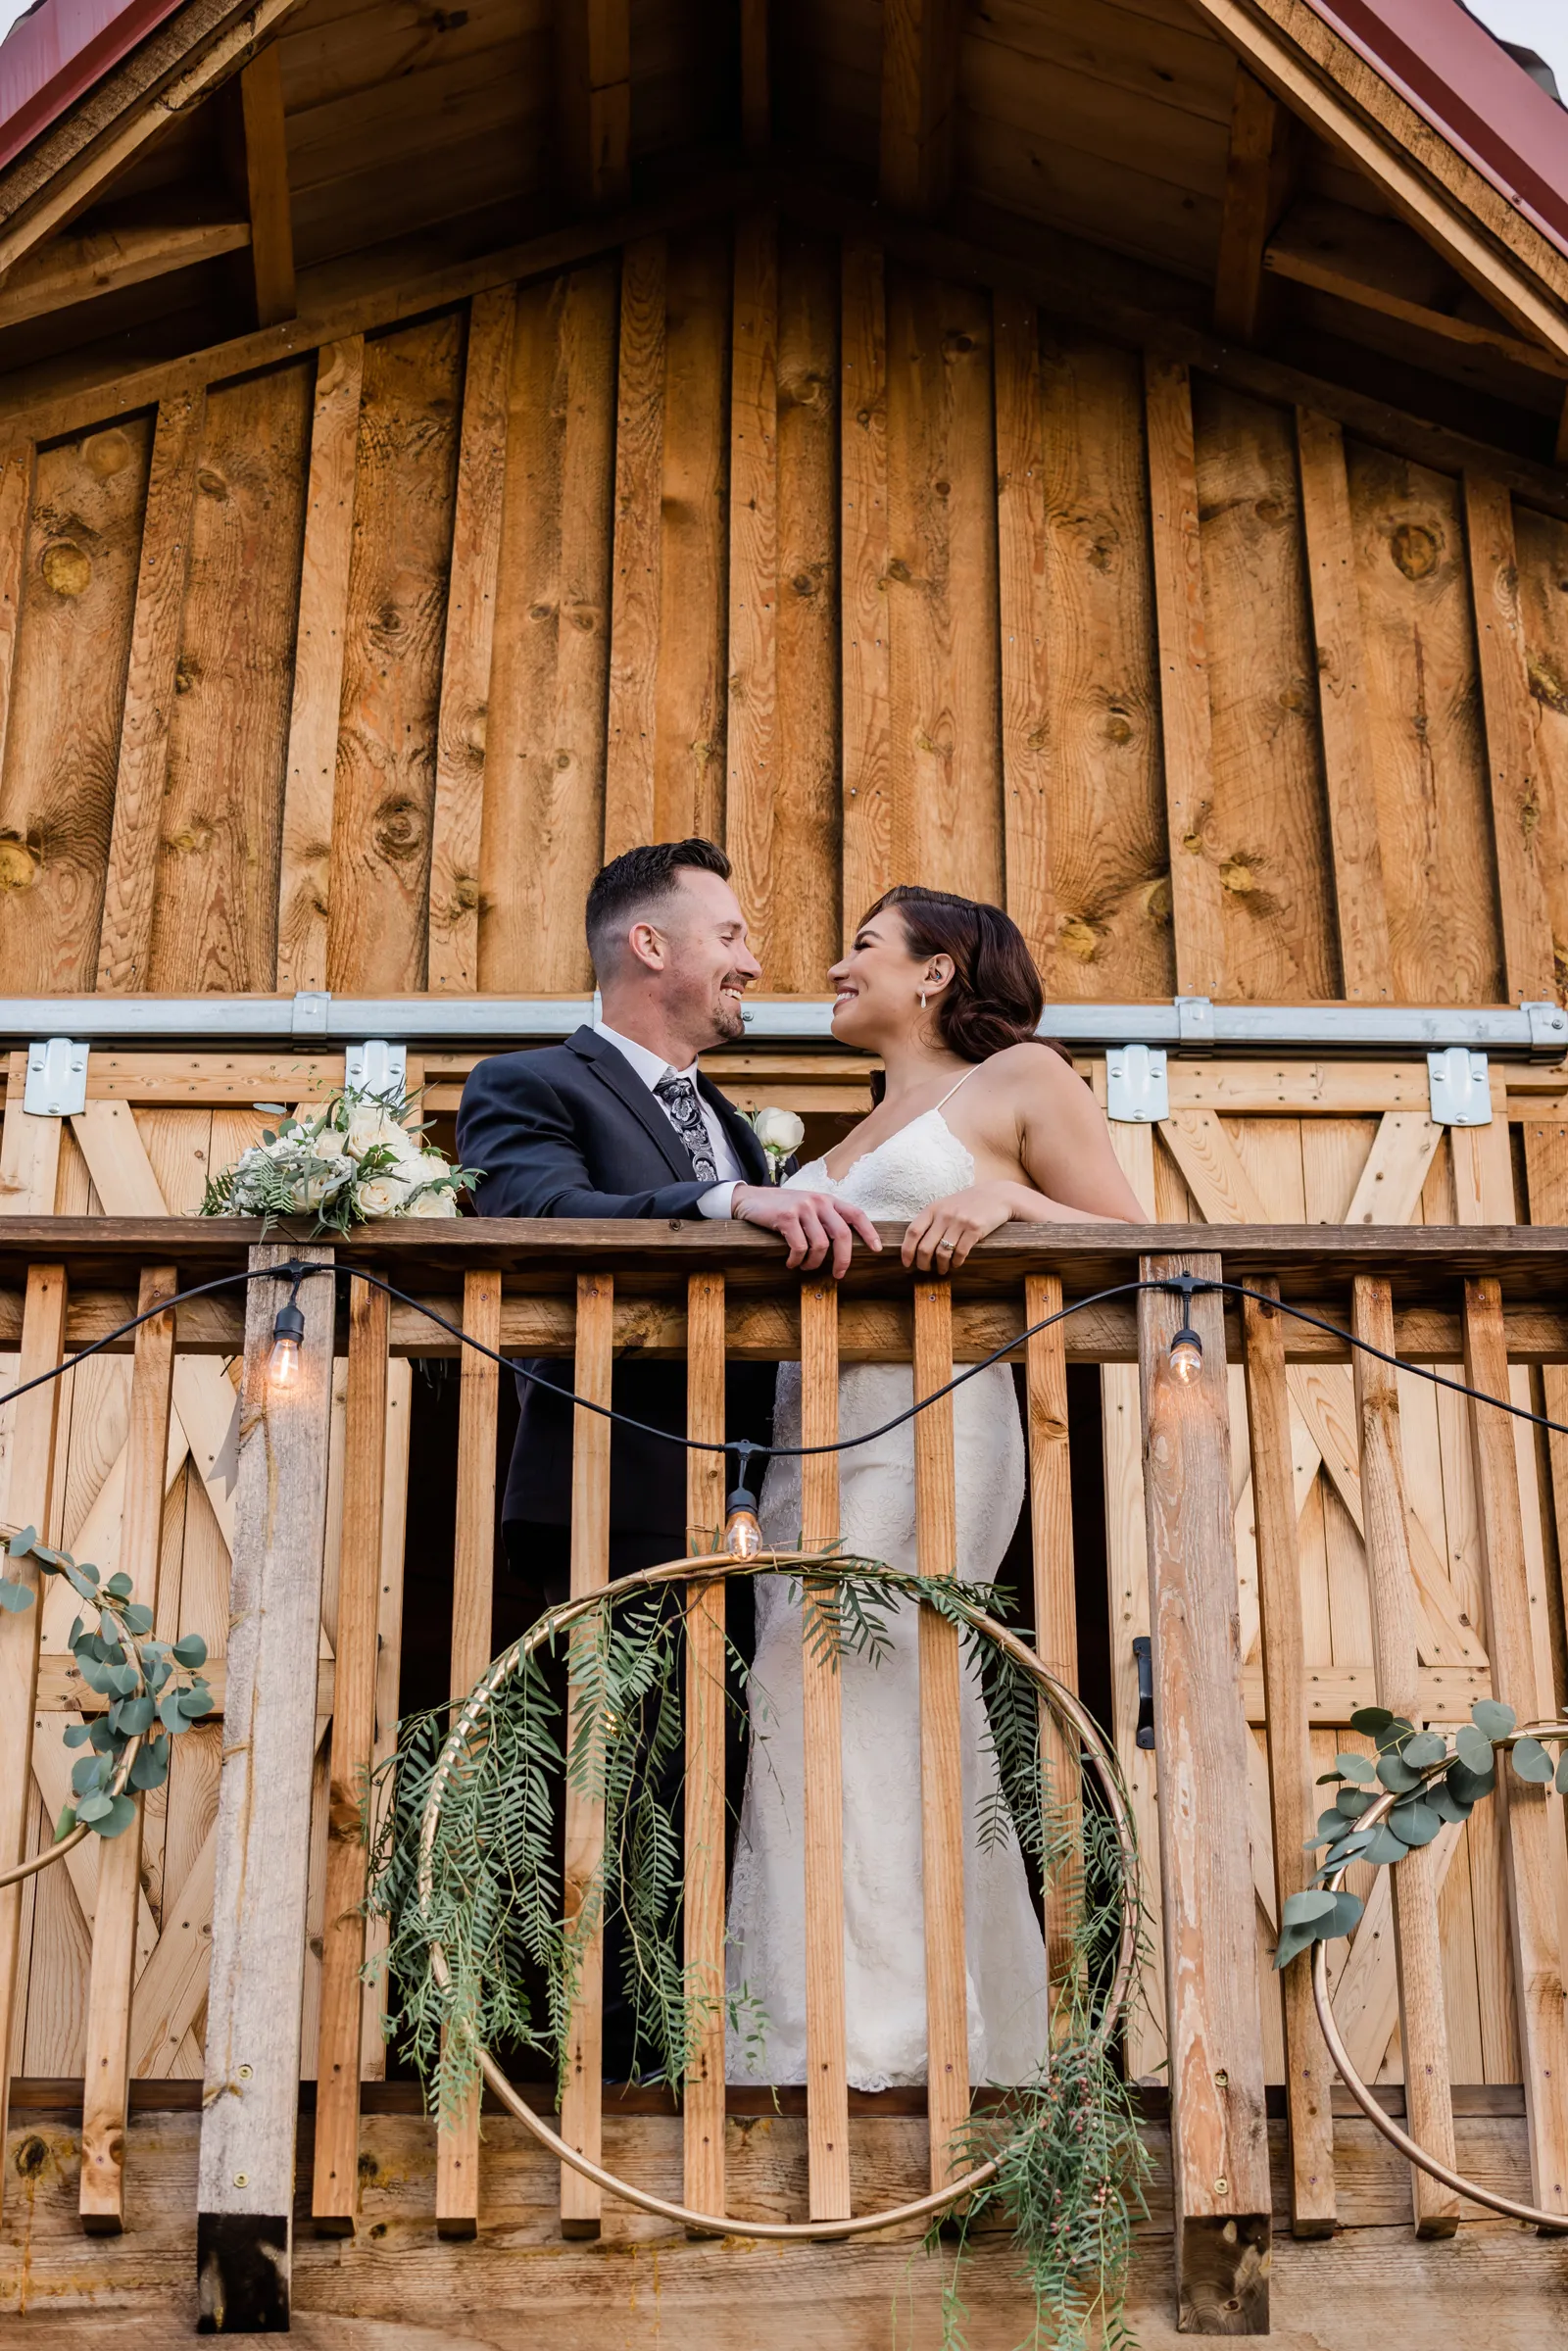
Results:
<point x="718" y="1199"/>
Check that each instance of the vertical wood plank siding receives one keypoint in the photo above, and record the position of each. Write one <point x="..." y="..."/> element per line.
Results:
<point x="868" y="575"/>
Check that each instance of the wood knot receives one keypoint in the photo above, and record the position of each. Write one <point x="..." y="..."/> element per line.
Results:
<point x="67" y="568"/>
<point x="1414" y="549"/>
<point x="20" y="863"/>
<point x="106" y="454"/>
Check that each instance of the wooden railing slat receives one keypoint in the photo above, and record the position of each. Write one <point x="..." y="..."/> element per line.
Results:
<point x="1054" y="1590"/>
<point x="1307" y="2071"/>
<point x="32" y="1464"/>
<point x="827" y="2096"/>
<point x="1391" y="1584"/>
<point x="457" y="2174"/>
<point x="704" y="2125"/>
<point x="1219" y="2150"/>
<point x="941" y="1763"/>
<point x="581" y="2101"/>
<point x="1531" y="1816"/>
<point x="106" y="2068"/>
<point x="335" y="2186"/>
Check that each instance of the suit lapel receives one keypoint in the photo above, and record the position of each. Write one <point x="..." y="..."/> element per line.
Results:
<point x="742" y="1136"/>
<point x="613" y="1070"/>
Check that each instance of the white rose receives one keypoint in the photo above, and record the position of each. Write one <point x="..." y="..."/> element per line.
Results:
<point x="329" y="1144"/>
<point x="427" y="1165"/>
<point x="780" y="1131"/>
<point x="380" y="1196"/>
<point x="433" y="1203"/>
<point x="368" y="1128"/>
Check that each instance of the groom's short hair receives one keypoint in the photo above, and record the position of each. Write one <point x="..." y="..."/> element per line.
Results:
<point x="639" y="881"/>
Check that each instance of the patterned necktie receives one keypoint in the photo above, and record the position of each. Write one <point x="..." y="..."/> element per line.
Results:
<point x="685" y="1114"/>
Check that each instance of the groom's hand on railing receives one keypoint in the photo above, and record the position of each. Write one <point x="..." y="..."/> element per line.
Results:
<point x="809" y="1223"/>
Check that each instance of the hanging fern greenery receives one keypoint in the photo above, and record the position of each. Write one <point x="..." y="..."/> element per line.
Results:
<point x="464" y="1861"/>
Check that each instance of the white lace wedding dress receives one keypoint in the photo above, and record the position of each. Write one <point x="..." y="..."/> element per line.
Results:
<point x="884" y="1935"/>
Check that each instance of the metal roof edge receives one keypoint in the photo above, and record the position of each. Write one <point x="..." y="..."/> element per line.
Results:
<point x="54" y="55"/>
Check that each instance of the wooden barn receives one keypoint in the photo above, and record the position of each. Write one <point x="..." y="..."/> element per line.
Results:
<point x="1109" y="456"/>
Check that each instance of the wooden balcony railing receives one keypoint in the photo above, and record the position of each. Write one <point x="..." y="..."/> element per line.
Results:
<point x="1482" y="1299"/>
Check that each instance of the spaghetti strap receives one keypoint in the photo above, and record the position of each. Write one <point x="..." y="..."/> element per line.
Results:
<point x="953" y="1090"/>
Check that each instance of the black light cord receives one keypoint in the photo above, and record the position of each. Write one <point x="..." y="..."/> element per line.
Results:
<point x="294" y="1271"/>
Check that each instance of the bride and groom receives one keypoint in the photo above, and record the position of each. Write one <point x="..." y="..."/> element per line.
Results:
<point x="978" y="1124"/>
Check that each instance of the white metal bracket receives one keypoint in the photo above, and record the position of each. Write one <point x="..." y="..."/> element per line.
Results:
<point x="377" y="1069"/>
<point x="1461" y="1092"/>
<point x="1548" y="1025"/>
<point x="309" y="1010"/>
<point x="57" y="1079"/>
<point x="1195" y="1019"/>
<point x="1137" y="1092"/>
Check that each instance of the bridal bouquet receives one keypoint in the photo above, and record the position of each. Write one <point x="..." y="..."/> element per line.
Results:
<point x="359" y="1159"/>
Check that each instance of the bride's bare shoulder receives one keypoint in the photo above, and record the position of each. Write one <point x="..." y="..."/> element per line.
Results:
<point x="1029" y="1067"/>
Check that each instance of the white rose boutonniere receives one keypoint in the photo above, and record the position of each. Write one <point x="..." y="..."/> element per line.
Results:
<point x="780" y="1132"/>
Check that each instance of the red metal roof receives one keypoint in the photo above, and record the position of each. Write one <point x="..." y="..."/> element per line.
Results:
<point x="52" y="56"/>
<point x="1466" y="85"/>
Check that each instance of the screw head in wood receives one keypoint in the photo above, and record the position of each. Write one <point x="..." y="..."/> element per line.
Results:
<point x="242" y="2180"/>
<point x="1222" y="2187"/>
<point x="245" y="2072"/>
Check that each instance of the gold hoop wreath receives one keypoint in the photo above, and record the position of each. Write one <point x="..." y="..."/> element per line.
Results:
<point x="716" y="1567"/>
<point x="1555" y="2223"/>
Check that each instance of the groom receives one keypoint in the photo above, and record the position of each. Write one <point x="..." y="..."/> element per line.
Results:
<point x="618" y="1121"/>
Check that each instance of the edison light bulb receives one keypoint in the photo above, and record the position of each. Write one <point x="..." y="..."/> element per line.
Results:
<point x="288" y="1329"/>
<point x="743" y="1537"/>
<point x="1187" y="1354"/>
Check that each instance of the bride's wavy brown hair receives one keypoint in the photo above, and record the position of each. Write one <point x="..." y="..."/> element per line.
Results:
<point x="995" y="997"/>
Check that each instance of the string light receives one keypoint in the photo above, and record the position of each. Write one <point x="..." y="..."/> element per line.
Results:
<point x="288" y="1329"/>
<point x="743" y="1536"/>
<point x="1187" y="1354"/>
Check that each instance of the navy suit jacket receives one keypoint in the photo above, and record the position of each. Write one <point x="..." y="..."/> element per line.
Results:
<point x="571" y="1130"/>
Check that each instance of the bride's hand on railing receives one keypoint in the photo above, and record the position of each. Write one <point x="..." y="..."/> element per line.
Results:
<point x="809" y="1223"/>
<point x="943" y="1235"/>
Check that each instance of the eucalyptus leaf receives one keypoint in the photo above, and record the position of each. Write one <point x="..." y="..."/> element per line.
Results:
<point x="1370" y="1720"/>
<point x="1532" y="1761"/>
<point x="66" y="1823"/>
<point x="169" y="1713"/>
<point x="1492" y="1718"/>
<point x="1353" y="1801"/>
<point x="1416" y="1823"/>
<point x="1331" y="1822"/>
<point x="1385" y="1847"/>
<point x="151" y="1766"/>
<point x="22" y="1542"/>
<point x="1347" y="1909"/>
<point x="1395" y="1734"/>
<point x="137" y="1619"/>
<point x="77" y="1734"/>
<point x="190" y="1651"/>
<point x="117" y="1815"/>
<point x="1444" y="1802"/>
<point x="15" y="1596"/>
<point x="1562" y="1774"/>
<point x="194" y="1703"/>
<point x="94" y="1807"/>
<point x="1355" y="1767"/>
<point x="1468" y="1786"/>
<point x="119" y="1586"/>
<point x="1396" y="1774"/>
<point x="135" y="1716"/>
<point x="1426" y="1749"/>
<point x="88" y="1771"/>
<point x="103" y="1739"/>
<point x="1329" y="1778"/>
<point x="1474" y="1749"/>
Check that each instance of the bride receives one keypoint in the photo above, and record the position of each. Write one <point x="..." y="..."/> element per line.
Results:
<point x="978" y="1124"/>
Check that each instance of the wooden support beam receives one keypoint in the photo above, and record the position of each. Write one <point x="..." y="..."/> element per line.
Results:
<point x="302" y="906"/>
<point x="457" y="2174"/>
<point x="1366" y="964"/>
<point x="704" y="1818"/>
<point x="827" y="2096"/>
<point x="267" y="191"/>
<point x="921" y="43"/>
<point x="336" y="2171"/>
<point x="74" y="269"/>
<point x="940" y="1772"/>
<point x="1529" y="971"/>
<point x="1308" y="2073"/>
<point x="1391" y="1584"/>
<point x="1055" y="1594"/>
<point x="593" y="51"/>
<point x="1023" y="569"/>
<point x="637" y="598"/>
<point x="1245" y="221"/>
<point x="1182" y="645"/>
<point x="456" y="826"/>
<point x="106" y="2066"/>
<point x="249" y="2103"/>
<point x="1382" y="265"/>
<point x="757" y="87"/>
<point x="753" y="716"/>
<point x="34" y="1432"/>
<point x="137" y="841"/>
<point x="1532" y="1817"/>
<point x="581" y="2098"/>
<point x="1219" y="2146"/>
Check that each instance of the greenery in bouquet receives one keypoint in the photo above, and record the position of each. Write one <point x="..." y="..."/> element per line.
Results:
<point x="358" y="1160"/>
